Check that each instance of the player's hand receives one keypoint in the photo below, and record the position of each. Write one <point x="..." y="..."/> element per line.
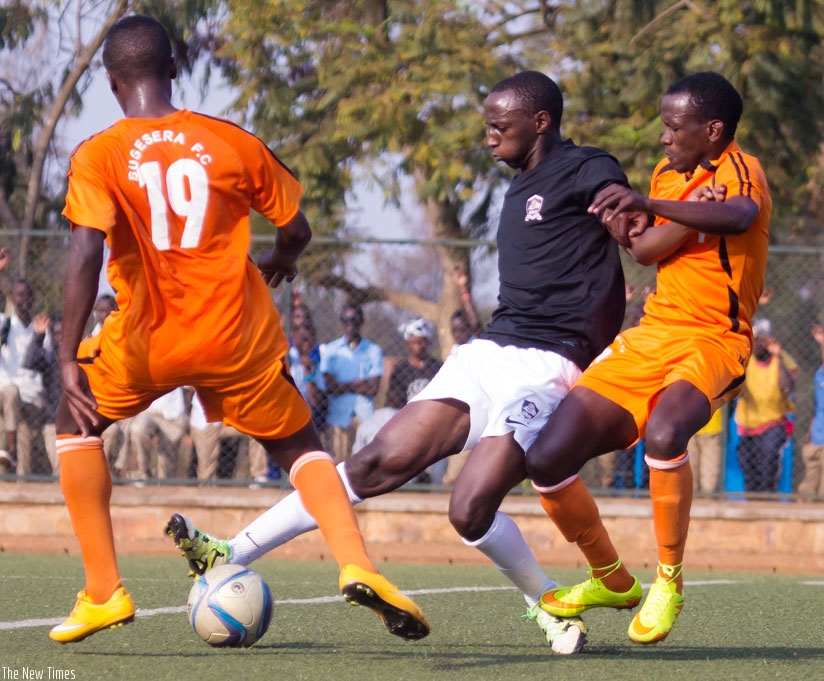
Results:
<point x="626" y="225"/>
<point x="717" y="193"/>
<point x="275" y="269"/>
<point x="615" y="199"/>
<point x="40" y="323"/>
<point x="79" y="398"/>
<point x="4" y="259"/>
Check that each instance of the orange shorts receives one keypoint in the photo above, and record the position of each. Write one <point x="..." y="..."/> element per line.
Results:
<point x="258" y="398"/>
<point x="644" y="360"/>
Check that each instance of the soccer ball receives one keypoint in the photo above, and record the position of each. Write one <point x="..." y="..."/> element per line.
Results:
<point x="230" y="606"/>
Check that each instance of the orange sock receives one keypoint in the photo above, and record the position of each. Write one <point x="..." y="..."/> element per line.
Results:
<point x="323" y="495"/>
<point x="574" y="512"/>
<point x="670" y="488"/>
<point x="87" y="488"/>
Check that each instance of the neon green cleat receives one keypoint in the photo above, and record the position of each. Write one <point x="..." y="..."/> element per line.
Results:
<point x="202" y="550"/>
<point x="399" y="613"/>
<point x="565" y="635"/>
<point x="86" y="618"/>
<point x="657" y="616"/>
<point x="568" y="601"/>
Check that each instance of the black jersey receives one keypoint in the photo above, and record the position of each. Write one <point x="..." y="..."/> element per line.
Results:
<point x="561" y="282"/>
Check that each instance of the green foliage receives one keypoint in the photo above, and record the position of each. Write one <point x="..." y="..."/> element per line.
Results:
<point x="17" y="22"/>
<point x="616" y="59"/>
<point x="329" y="91"/>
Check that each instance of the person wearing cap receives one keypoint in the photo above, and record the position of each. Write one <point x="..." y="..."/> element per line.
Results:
<point x="411" y="374"/>
<point x="761" y="414"/>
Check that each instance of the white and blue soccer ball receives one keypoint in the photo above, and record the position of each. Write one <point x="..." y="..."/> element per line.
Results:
<point x="230" y="606"/>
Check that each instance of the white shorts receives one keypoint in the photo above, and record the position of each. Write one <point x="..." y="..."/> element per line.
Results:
<point x="508" y="389"/>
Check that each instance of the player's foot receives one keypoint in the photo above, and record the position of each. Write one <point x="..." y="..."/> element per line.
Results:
<point x="566" y="635"/>
<point x="87" y="617"/>
<point x="400" y="614"/>
<point x="202" y="550"/>
<point x="657" y="616"/>
<point x="568" y="601"/>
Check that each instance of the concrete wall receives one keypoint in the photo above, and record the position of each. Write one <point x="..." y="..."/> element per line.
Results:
<point x="412" y="527"/>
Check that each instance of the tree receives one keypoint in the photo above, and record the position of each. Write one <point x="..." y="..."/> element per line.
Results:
<point x="620" y="56"/>
<point x="53" y="46"/>
<point x="339" y="86"/>
<point x="400" y="83"/>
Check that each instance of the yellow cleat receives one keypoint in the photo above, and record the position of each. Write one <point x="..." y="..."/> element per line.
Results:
<point x="86" y="618"/>
<point x="657" y="616"/>
<point x="568" y="601"/>
<point x="399" y="613"/>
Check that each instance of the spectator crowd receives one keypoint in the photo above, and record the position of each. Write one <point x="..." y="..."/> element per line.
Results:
<point x="353" y="388"/>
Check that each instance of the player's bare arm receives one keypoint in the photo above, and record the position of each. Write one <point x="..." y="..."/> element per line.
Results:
<point x="658" y="243"/>
<point x="663" y="241"/>
<point x="730" y="216"/>
<point x="615" y="199"/>
<point x="280" y="263"/>
<point x="79" y="292"/>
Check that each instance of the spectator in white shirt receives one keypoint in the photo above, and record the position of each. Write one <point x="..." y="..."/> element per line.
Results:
<point x="22" y="397"/>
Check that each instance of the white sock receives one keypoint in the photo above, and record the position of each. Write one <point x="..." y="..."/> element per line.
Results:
<point x="504" y="545"/>
<point x="284" y="521"/>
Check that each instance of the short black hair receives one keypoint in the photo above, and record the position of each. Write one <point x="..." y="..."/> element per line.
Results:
<point x="137" y="47"/>
<point x="713" y="97"/>
<point x="537" y="92"/>
<point x="357" y="309"/>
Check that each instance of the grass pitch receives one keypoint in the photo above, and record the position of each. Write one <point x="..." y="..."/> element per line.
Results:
<point x="734" y="626"/>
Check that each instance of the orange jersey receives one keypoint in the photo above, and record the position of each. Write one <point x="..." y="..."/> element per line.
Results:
<point x="713" y="281"/>
<point x="173" y="197"/>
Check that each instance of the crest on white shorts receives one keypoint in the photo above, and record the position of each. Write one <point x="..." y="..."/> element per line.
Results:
<point x="529" y="410"/>
<point x="533" y="208"/>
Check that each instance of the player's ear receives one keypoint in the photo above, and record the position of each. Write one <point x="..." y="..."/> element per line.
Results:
<point x="112" y="82"/>
<point x="543" y="121"/>
<point x="715" y="130"/>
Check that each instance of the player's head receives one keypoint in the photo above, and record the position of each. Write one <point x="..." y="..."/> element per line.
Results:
<point x="523" y="115"/>
<point x="700" y="114"/>
<point x="535" y="92"/>
<point x="137" y="48"/>
<point x="712" y="97"/>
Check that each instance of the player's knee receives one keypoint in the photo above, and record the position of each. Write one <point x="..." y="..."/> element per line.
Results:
<point x="470" y="521"/>
<point x="664" y="440"/>
<point x="376" y="470"/>
<point x="545" y="466"/>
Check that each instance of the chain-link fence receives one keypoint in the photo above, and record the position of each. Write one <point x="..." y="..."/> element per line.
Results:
<point x="168" y="445"/>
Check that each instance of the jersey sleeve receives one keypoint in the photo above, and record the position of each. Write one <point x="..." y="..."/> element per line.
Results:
<point x="89" y="199"/>
<point x="743" y="177"/>
<point x="275" y="189"/>
<point x="598" y="172"/>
